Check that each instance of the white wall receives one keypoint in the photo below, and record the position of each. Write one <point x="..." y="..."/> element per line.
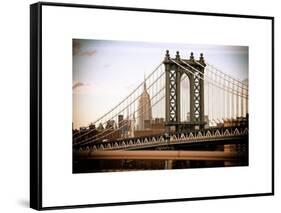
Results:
<point x="14" y="113"/>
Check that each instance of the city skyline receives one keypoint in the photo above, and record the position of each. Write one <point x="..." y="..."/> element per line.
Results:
<point x="114" y="68"/>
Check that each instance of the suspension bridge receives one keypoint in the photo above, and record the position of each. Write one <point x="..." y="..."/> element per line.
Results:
<point x="181" y="104"/>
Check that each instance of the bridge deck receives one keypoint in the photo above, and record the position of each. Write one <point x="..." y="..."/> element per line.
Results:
<point x="161" y="155"/>
<point x="215" y="136"/>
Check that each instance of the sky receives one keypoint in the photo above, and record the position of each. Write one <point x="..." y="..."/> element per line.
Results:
<point x="106" y="71"/>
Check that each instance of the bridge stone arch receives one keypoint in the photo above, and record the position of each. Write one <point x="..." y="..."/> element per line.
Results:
<point x="175" y="68"/>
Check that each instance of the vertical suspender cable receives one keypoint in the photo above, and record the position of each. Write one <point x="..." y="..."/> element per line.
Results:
<point x="237" y="103"/>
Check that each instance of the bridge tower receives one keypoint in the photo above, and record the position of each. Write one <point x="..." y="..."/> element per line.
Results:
<point x="174" y="69"/>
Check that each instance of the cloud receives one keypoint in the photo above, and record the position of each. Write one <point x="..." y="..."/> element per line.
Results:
<point x="77" y="84"/>
<point x="77" y="50"/>
<point x="82" y="87"/>
<point x="87" y="53"/>
<point x="97" y="90"/>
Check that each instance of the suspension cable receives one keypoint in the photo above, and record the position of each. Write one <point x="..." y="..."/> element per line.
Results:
<point x="122" y="109"/>
<point x="203" y="74"/>
<point x="231" y="77"/>
<point x="128" y="96"/>
<point x="97" y="139"/>
<point x="87" y="140"/>
<point x="205" y="79"/>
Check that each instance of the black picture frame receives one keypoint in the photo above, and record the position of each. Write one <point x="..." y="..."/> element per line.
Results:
<point x="36" y="103"/>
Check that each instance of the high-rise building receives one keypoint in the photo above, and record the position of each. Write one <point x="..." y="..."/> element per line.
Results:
<point x="144" y="115"/>
<point x="120" y="121"/>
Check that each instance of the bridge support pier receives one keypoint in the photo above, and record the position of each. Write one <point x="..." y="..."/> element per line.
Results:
<point x="168" y="164"/>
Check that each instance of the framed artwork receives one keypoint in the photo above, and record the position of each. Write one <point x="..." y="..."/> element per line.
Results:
<point x="134" y="105"/>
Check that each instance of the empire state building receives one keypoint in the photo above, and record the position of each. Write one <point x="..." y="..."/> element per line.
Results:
<point x="144" y="117"/>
